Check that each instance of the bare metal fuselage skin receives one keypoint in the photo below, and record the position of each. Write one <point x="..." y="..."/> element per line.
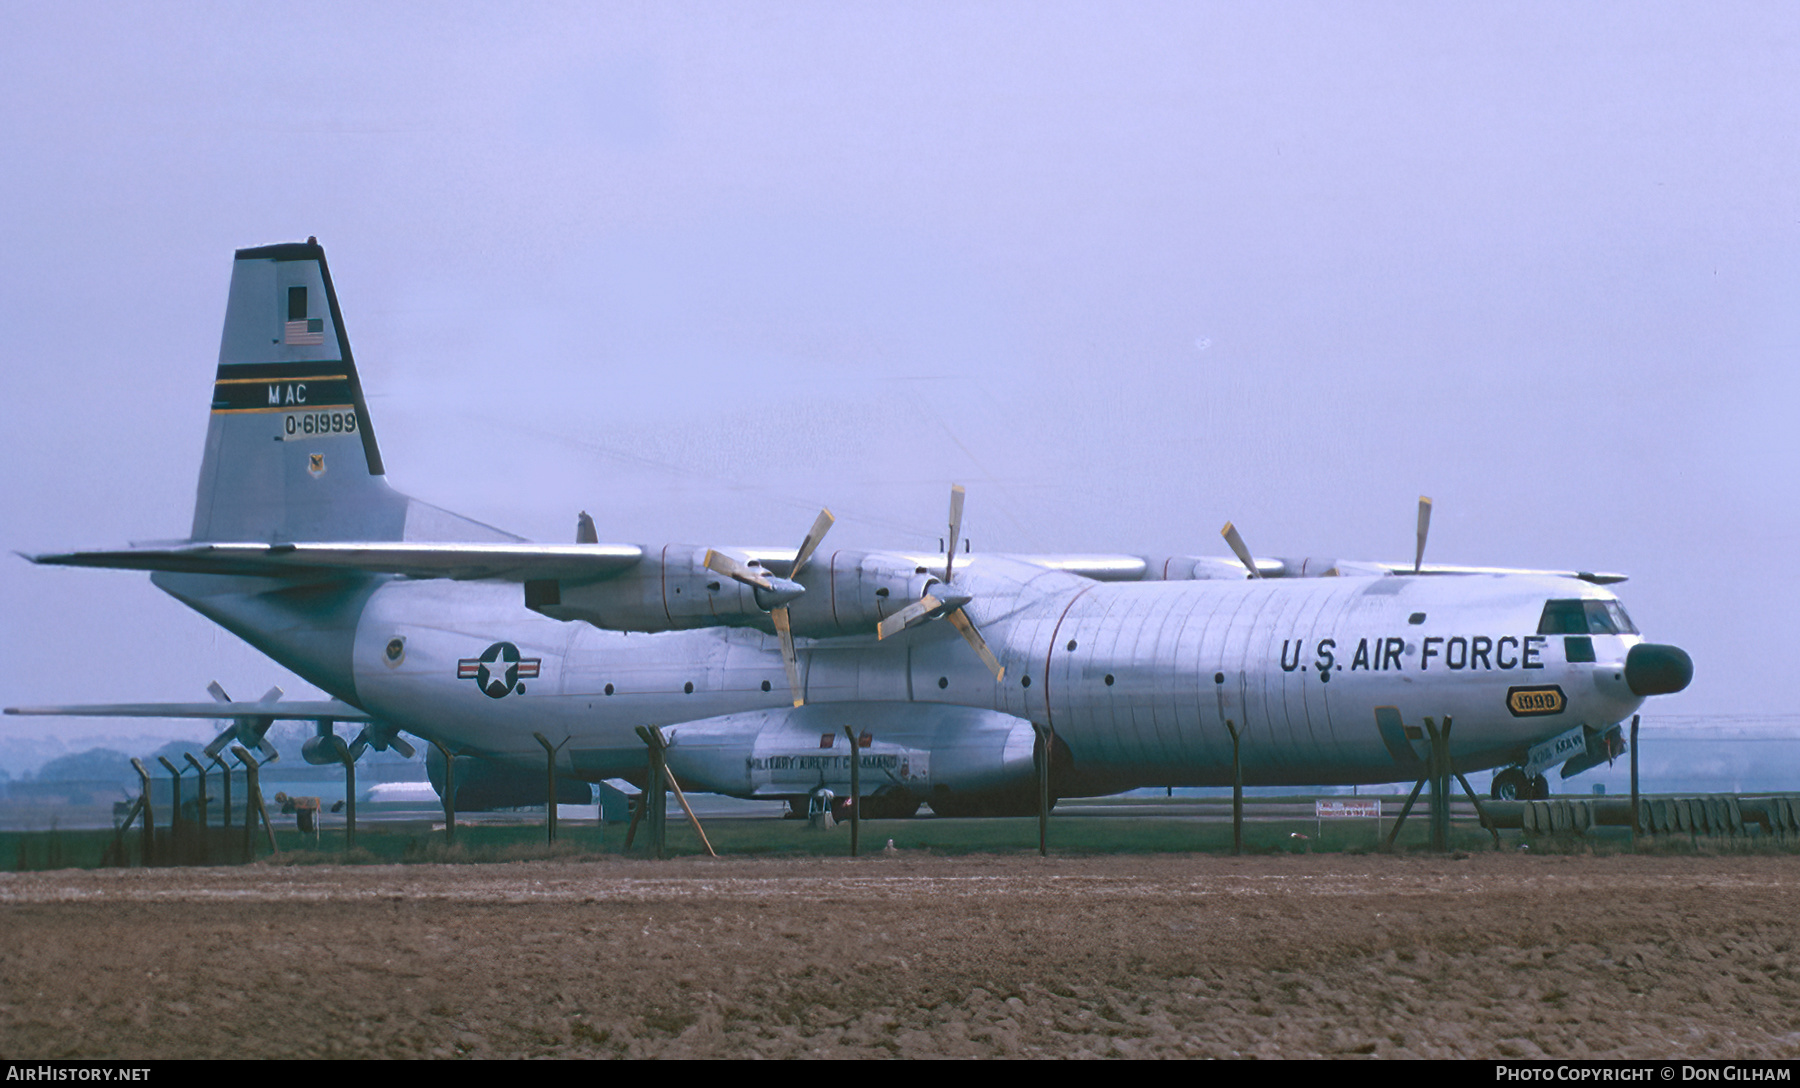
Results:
<point x="1137" y="679"/>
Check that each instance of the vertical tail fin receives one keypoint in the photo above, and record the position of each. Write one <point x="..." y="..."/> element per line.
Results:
<point x="290" y="451"/>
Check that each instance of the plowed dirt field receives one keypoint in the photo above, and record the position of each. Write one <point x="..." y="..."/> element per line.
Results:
<point x="1487" y="955"/>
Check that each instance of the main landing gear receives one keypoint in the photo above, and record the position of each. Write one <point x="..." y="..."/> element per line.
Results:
<point x="1512" y="784"/>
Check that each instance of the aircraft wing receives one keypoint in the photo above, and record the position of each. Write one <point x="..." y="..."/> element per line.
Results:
<point x="291" y="711"/>
<point x="1101" y="568"/>
<point x="1132" y="568"/>
<point x="508" y="562"/>
<point x="522" y="562"/>
<point x="1597" y="577"/>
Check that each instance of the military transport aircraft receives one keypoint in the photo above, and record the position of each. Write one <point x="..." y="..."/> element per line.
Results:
<point x="754" y="660"/>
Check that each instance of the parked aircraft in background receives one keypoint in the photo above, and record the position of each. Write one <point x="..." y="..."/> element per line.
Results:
<point x="754" y="660"/>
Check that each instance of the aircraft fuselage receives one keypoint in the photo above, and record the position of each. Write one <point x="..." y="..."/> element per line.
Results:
<point x="1136" y="678"/>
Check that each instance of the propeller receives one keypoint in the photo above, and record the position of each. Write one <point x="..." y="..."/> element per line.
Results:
<point x="783" y="628"/>
<point x="944" y="602"/>
<point x="1424" y="528"/>
<point x="250" y="730"/>
<point x="1232" y="538"/>
<point x="775" y="593"/>
<point x="1236" y="541"/>
<point x="966" y="628"/>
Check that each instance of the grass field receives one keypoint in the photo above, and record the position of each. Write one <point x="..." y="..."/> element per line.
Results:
<point x="390" y="842"/>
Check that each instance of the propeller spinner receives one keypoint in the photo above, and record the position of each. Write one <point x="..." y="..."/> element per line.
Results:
<point x="250" y="730"/>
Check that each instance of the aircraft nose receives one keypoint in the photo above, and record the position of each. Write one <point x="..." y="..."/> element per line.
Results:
<point x="1654" y="669"/>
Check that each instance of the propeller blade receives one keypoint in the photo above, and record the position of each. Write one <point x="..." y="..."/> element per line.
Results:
<point x="785" y="631"/>
<point x="913" y="613"/>
<point x="720" y="563"/>
<point x="219" y="742"/>
<point x="1232" y="538"/>
<point x="820" y="526"/>
<point x="960" y="620"/>
<point x="217" y="690"/>
<point x="381" y="737"/>
<point x="260" y="726"/>
<point x="956" y="508"/>
<point x="1424" y="528"/>
<point x="584" y="530"/>
<point x="395" y="741"/>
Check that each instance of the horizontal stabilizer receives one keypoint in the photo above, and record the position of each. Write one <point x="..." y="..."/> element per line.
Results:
<point x="292" y="711"/>
<point x="509" y="562"/>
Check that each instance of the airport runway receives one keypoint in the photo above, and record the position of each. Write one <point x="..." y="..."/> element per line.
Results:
<point x="1287" y="956"/>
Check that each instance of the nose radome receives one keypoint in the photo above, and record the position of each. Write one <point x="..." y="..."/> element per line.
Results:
<point x="1654" y="669"/>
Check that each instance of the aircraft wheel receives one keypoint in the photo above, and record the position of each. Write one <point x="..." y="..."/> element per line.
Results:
<point x="1540" y="788"/>
<point x="1511" y="785"/>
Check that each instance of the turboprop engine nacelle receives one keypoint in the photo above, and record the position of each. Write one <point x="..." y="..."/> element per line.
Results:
<point x="846" y="593"/>
<point x="670" y="590"/>
<point x="323" y="750"/>
<point x="1183" y="568"/>
<point x="857" y="590"/>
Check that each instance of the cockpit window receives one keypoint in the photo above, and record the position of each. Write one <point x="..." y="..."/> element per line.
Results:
<point x="1579" y="617"/>
<point x="1616" y="612"/>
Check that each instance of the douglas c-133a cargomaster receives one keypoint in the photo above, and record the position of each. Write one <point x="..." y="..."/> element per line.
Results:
<point x="753" y="661"/>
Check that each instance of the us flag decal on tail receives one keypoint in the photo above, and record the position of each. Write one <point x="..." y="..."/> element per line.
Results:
<point x="304" y="333"/>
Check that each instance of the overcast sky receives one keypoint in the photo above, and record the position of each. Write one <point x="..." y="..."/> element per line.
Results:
<point x="1125" y="271"/>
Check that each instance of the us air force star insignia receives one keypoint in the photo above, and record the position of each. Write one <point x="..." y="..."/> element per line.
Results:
<point x="498" y="670"/>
